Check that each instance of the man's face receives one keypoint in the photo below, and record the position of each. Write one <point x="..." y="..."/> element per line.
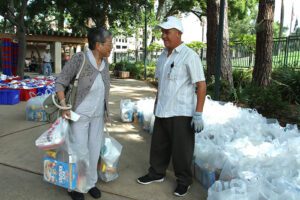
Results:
<point x="171" y="37"/>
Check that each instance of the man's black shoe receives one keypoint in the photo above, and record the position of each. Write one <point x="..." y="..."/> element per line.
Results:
<point x="148" y="179"/>
<point x="95" y="192"/>
<point x="181" y="190"/>
<point x="76" y="195"/>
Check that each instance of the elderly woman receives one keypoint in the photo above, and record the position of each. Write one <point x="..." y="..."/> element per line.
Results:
<point x="91" y="103"/>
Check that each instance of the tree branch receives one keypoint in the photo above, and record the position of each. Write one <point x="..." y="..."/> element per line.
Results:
<point x="10" y="15"/>
<point x="198" y="14"/>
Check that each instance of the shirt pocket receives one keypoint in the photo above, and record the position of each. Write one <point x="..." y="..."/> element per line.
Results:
<point x="176" y="73"/>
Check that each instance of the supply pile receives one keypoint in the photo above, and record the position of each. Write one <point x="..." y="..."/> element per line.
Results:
<point x="256" y="157"/>
<point x="140" y="111"/>
<point x="13" y="89"/>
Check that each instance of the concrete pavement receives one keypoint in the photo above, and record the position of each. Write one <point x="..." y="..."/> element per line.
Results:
<point x="21" y="161"/>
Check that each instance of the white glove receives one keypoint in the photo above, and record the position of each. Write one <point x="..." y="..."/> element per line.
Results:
<point x="197" y="122"/>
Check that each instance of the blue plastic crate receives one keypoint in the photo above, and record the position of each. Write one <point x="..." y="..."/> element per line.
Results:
<point x="41" y="90"/>
<point x="44" y="90"/>
<point x="9" y="97"/>
<point x="7" y="71"/>
<point x="3" y="97"/>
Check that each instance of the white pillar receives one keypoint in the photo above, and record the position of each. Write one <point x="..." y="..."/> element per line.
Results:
<point x="86" y="46"/>
<point x="78" y="48"/>
<point x="57" y="57"/>
<point x="71" y="51"/>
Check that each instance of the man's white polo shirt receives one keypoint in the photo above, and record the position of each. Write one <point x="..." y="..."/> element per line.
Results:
<point x="177" y="75"/>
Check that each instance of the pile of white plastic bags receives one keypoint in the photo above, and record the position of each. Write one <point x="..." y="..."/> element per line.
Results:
<point x="257" y="159"/>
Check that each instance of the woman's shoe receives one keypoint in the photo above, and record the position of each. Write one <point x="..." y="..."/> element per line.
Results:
<point x="95" y="192"/>
<point x="76" y="195"/>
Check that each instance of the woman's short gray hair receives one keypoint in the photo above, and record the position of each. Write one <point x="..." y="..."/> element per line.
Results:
<point x="97" y="35"/>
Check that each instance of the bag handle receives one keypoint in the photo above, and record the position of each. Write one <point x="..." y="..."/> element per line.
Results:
<point x="78" y="74"/>
<point x="69" y="107"/>
<point x="106" y="130"/>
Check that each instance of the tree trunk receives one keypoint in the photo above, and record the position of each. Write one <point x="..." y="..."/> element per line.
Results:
<point x="213" y="10"/>
<point x="211" y="35"/>
<point x="104" y="19"/>
<point x="226" y="68"/>
<point x="264" y="43"/>
<point x="280" y="27"/>
<point x="159" y="9"/>
<point x="137" y="44"/>
<point x="21" y="36"/>
<point x="21" y="52"/>
<point x="158" y="16"/>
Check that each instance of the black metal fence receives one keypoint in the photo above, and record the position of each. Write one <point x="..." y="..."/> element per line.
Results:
<point x="286" y="53"/>
<point x="134" y="56"/>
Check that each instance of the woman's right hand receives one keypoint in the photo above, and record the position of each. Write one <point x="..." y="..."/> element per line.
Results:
<point x="66" y="114"/>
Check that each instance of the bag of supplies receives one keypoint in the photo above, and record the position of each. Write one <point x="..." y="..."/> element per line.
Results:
<point x="55" y="136"/>
<point x="110" y="154"/>
<point x="35" y="110"/>
<point x="66" y="168"/>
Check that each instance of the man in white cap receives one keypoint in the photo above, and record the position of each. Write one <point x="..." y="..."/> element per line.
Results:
<point x="47" y="69"/>
<point x="178" y="109"/>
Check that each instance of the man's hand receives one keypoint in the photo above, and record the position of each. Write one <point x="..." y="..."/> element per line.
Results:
<point x="197" y="121"/>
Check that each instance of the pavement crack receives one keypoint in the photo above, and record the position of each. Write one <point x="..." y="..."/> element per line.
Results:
<point x="1" y="136"/>
<point x="22" y="169"/>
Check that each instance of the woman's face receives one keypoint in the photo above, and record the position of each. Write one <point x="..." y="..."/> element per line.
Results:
<point x="106" y="47"/>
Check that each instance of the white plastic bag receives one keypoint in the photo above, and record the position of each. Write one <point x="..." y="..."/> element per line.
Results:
<point x="55" y="136"/>
<point x="35" y="110"/>
<point x="110" y="154"/>
<point x="126" y="110"/>
<point x="65" y="165"/>
<point x="235" y="189"/>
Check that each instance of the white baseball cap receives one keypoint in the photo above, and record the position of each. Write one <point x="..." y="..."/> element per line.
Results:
<point x="171" y="22"/>
<point x="48" y="47"/>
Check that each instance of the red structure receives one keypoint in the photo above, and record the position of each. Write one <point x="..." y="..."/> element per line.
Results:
<point x="9" y="56"/>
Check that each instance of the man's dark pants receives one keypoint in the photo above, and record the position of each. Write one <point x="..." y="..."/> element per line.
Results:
<point x="172" y="137"/>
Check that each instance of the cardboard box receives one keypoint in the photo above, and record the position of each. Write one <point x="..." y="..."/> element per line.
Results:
<point x="60" y="173"/>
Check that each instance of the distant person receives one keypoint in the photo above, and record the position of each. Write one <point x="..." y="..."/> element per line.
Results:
<point x="33" y="66"/>
<point x="47" y="68"/>
<point x="178" y="109"/>
<point x="65" y="59"/>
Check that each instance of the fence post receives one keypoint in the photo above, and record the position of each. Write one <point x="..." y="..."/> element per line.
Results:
<point x="286" y="56"/>
<point x="201" y="53"/>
